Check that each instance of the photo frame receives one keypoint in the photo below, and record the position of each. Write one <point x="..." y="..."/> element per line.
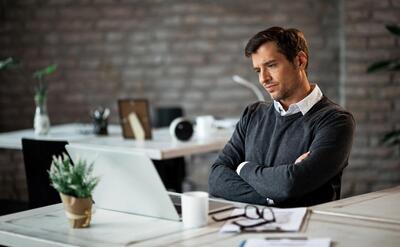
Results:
<point x="135" y="118"/>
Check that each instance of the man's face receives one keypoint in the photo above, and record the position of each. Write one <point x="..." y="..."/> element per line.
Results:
<point x="279" y="77"/>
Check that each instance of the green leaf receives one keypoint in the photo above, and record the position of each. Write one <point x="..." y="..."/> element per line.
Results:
<point x="388" y="65"/>
<point x="392" y="138"/>
<point x="394" y="29"/>
<point x="74" y="180"/>
<point x="45" y="71"/>
<point x="8" y="62"/>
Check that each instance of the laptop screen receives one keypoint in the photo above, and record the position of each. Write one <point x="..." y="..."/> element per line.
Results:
<point x="128" y="183"/>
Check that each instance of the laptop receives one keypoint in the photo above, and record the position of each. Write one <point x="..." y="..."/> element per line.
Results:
<point x="130" y="183"/>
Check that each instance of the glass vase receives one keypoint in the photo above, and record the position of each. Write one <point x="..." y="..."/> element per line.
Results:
<point x="41" y="121"/>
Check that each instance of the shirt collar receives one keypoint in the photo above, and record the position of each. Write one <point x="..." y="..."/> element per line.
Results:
<point x="303" y="105"/>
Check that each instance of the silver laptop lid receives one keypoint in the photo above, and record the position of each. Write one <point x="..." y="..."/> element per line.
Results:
<point x="128" y="183"/>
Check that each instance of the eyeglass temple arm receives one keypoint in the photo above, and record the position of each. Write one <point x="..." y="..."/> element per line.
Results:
<point x="227" y="218"/>
<point x="222" y="210"/>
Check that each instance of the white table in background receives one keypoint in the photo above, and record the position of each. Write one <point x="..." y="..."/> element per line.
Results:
<point x="162" y="146"/>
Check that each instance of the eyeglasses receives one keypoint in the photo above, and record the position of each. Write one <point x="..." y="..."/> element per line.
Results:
<point x="261" y="216"/>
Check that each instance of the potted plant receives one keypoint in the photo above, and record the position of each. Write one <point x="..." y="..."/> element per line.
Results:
<point x="392" y="138"/>
<point x="75" y="184"/>
<point x="41" y="121"/>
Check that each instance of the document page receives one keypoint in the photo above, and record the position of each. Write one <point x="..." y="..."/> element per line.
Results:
<point x="316" y="242"/>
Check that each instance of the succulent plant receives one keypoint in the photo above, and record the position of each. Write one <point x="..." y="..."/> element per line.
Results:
<point x="72" y="179"/>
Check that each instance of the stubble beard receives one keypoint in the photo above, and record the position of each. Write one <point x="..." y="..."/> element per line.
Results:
<point x="284" y="94"/>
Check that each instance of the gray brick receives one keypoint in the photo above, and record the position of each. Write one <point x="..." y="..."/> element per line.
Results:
<point x="198" y="83"/>
<point x="176" y="70"/>
<point x="45" y="13"/>
<point x="396" y="3"/>
<point x="89" y="63"/>
<point x="74" y="25"/>
<point x="79" y="12"/>
<point x="209" y="71"/>
<point x="105" y="1"/>
<point x="389" y="92"/>
<point x="386" y="16"/>
<point x="169" y="83"/>
<point x="356" y="42"/>
<point x="114" y="36"/>
<point x="356" y="4"/>
<point x="62" y="2"/>
<point x="368" y="79"/>
<point x="365" y="29"/>
<point x="160" y="47"/>
<point x="371" y="55"/>
<point x="76" y="38"/>
<point x="381" y="42"/>
<point x="170" y="95"/>
<point x="358" y="15"/>
<point x="108" y="24"/>
<point x="371" y="104"/>
<point x="194" y="95"/>
<point x="185" y="58"/>
<point x="356" y="92"/>
<point x="116" y="11"/>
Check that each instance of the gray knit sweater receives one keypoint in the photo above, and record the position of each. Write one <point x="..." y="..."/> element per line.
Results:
<point x="271" y="143"/>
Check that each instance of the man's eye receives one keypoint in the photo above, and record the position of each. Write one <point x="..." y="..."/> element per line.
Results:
<point x="272" y="65"/>
<point x="257" y="71"/>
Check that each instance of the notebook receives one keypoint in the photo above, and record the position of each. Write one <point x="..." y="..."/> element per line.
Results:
<point x="130" y="183"/>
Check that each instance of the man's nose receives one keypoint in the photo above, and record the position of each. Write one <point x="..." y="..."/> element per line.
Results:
<point x="265" y="77"/>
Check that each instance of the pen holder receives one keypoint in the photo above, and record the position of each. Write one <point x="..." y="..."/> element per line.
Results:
<point x="100" y="126"/>
<point x="100" y="120"/>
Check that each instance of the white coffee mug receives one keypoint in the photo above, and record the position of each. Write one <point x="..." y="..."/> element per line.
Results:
<point x="204" y="126"/>
<point x="194" y="209"/>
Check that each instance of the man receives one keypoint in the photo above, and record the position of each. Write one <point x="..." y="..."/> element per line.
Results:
<point x="291" y="152"/>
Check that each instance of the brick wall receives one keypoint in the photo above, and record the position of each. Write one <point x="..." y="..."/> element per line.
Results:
<point x="179" y="52"/>
<point x="374" y="99"/>
<point x="171" y="52"/>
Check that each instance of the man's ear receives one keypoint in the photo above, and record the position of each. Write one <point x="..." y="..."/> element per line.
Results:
<point x="301" y="60"/>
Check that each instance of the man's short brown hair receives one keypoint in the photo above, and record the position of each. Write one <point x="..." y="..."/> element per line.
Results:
<point x="289" y="41"/>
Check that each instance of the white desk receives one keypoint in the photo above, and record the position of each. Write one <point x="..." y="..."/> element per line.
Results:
<point x="379" y="206"/>
<point x="162" y="146"/>
<point x="343" y="232"/>
<point x="48" y="226"/>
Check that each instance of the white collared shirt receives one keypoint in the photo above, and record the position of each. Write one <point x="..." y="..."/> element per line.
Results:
<point x="303" y="105"/>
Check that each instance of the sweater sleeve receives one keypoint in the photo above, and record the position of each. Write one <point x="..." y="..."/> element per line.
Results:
<point x="329" y="153"/>
<point x="223" y="181"/>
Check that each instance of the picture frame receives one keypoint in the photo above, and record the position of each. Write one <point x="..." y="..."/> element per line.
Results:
<point x="132" y="112"/>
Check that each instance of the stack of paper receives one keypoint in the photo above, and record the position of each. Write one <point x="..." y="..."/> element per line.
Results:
<point x="287" y="220"/>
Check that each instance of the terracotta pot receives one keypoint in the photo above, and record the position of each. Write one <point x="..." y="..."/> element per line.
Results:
<point x="78" y="210"/>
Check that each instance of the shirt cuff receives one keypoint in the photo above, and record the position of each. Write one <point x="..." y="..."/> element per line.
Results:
<point x="270" y="202"/>
<point x="240" y="167"/>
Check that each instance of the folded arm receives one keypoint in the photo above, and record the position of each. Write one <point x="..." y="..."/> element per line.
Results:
<point x="223" y="180"/>
<point x="328" y="156"/>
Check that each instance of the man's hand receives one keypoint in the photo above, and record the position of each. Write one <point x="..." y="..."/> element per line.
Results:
<point x="302" y="157"/>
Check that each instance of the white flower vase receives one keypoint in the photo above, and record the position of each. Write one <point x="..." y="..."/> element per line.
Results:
<point x="41" y="121"/>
